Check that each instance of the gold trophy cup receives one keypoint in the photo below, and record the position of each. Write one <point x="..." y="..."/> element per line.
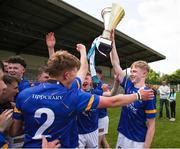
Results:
<point x="111" y="16"/>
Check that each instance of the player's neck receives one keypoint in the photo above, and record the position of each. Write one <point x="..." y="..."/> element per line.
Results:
<point x="62" y="81"/>
<point x="139" y="84"/>
<point x="68" y="85"/>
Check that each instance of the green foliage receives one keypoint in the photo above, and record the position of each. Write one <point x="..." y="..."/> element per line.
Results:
<point x="167" y="133"/>
<point x="155" y="78"/>
<point x="173" y="78"/>
<point x="177" y="72"/>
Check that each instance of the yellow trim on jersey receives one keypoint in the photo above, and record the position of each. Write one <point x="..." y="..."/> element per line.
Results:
<point x="5" y="146"/>
<point x="78" y="84"/>
<point x="150" y="111"/>
<point x="91" y="100"/>
<point x="16" y="110"/>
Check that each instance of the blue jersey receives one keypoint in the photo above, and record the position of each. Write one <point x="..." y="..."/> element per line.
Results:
<point x="133" y="116"/>
<point x="88" y="120"/>
<point x="98" y="90"/>
<point x="51" y="109"/>
<point x="23" y="84"/>
<point x="102" y="113"/>
<point x="35" y="84"/>
<point x="3" y="142"/>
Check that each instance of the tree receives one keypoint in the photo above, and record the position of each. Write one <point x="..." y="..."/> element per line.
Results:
<point x="175" y="77"/>
<point x="153" y="77"/>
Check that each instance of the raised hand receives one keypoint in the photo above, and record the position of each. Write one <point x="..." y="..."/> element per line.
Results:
<point x="52" y="144"/>
<point x="105" y="87"/>
<point x="5" y="119"/>
<point x="50" y="40"/>
<point x="80" y="47"/>
<point x="83" y="60"/>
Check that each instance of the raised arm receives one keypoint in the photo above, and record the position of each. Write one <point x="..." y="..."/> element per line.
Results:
<point x="122" y="100"/>
<point x="114" y="89"/>
<point x="50" y="42"/>
<point x="115" y="59"/>
<point x="83" y="60"/>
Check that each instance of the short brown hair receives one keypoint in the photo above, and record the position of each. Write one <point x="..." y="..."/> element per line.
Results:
<point x="141" y="64"/>
<point x="17" y="59"/>
<point x="10" y="79"/>
<point x="60" y="62"/>
<point x="42" y="69"/>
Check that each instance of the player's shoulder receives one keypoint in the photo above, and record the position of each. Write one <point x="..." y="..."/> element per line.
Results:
<point x="126" y="82"/>
<point x="24" y="82"/>
<point x="78" y="93"/>
<point x="28" y="91"/>
<point x="76" y="84"/>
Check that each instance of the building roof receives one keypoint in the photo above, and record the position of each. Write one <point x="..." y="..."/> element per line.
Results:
<point x="24" y="24"/>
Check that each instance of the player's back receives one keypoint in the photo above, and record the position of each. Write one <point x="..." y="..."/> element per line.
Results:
<point x="49" y="109"/>
<point x="87" y="121"/>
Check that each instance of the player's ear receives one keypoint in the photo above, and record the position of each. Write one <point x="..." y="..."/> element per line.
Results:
<point x="66" y="75"/>
<point x="145" y="73"/>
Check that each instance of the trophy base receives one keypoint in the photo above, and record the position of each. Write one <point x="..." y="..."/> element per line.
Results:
<point x="105" y="46"/>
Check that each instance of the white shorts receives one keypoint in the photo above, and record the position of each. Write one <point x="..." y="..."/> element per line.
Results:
<point x="103" y="124"/>
<point x="89" y="140"/>
<point x="124" y="142"/>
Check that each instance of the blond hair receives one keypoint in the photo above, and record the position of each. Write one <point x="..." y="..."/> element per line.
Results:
<point x="142" y="65"/>
<point x="60" y="62"/>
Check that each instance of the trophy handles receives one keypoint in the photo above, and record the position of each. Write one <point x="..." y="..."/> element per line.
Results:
<point x="112" y="16"/>
<point x="105" y="13"/>
<point x="117" y="13"/>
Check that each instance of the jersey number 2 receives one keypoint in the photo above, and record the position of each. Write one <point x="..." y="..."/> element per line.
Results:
<point x="46" y="124"/>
